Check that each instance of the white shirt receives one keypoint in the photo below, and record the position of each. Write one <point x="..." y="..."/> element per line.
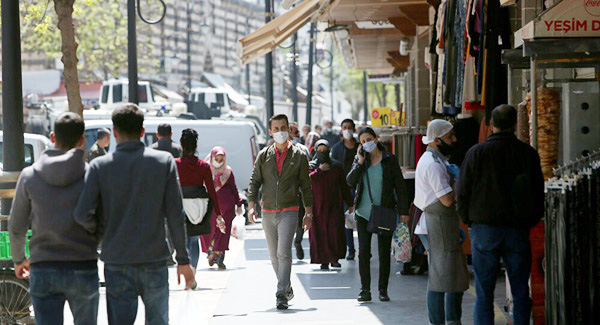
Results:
<point x="432" y="181"/>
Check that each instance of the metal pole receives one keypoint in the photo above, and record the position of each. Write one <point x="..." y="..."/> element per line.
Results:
<point x="309" y="86"/>
<point x="248" y="66"/>
<point x="331" y="84"/>
<point x="397" y="91"/>
<point x="269" y="67"/>
<point x="12" y="94"/>
<point x="189" y="47"/>
<point x="365" y="101"/>
<point x="132" y="53"/>
<point x="533" y="117"/>
<point x="294" y="81"/>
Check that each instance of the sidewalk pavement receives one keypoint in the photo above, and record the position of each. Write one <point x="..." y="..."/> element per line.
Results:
<point x="245" y="292"/>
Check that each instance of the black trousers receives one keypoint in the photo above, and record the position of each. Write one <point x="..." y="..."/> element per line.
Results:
<point x="384" y="243"/>
<point x="299" y="229"/>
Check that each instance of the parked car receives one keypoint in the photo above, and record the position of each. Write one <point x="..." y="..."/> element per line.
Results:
<point x="237" y="137"/>
<point x="35" y="144"/>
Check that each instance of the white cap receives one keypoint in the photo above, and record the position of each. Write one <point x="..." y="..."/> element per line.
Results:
<point x="436" y="129"/>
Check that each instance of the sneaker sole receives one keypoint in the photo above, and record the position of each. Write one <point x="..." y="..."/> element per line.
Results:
<point x="282" y="307"/>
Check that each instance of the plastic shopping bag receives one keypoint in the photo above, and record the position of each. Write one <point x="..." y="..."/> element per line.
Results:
<point x="401" y="245"/>
<point x="238" y="227"/>
<point x="350" y="221"/>
<point x="189" y="311"/>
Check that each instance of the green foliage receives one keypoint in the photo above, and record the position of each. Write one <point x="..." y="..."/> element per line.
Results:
<point x="101" y="34"/>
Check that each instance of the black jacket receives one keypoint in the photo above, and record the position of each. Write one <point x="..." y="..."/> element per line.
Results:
<point x="501" y="184"/>
<point x="393" y="195"/>
<point x="168" y="145"/>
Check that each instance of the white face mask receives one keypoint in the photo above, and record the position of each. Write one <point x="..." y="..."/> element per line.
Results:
<point x="369" y="146"/>
<point x="281" y="137"/>
<point x="348" y="134"/>
<point x="217" y="164"/>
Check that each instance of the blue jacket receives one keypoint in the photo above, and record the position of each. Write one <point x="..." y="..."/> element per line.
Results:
<point x="338" y="152"/>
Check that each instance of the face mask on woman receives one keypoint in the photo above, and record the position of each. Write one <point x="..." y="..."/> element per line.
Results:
<point x="323" y="156"/>
<point x="217" y="164"/>
<point x="369" y="146"/>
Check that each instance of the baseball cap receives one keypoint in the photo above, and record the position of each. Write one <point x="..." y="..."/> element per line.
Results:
<point x="435" y="129"/>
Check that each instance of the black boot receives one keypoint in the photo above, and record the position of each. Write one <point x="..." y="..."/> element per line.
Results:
<point x="383" y="295"/>
<point x="324" y="266"/>
<point x="336" y="264"/>
<point x="299" y="251"/>
<point x="364" y="295"/>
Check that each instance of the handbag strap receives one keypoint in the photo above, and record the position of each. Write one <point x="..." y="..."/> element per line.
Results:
<point x="368" y="182"/>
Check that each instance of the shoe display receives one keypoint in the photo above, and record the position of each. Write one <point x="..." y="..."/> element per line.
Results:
<point x="289" y="294"/>
<point x="350" y="257"/>
<point x="324" y="266"/>
<point x="221" y="266"/>
<point x="336" y="264"/>
<point x="299" y="251"/>
<point x="383" y="296"/>
<point x="282" y="302"/>
<point x="364" y="295"/>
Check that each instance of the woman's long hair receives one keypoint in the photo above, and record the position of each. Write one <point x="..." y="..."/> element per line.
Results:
<point x="189" y="141"/>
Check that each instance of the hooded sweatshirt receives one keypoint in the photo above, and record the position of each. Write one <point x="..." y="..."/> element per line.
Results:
<point x="46" y="195"/>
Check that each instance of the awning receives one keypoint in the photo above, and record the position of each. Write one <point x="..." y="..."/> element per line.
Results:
<point x="268" y="37"/>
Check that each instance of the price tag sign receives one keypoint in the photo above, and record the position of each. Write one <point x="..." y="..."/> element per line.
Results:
<point x="381" y="116"/>
<point x="395" y="118"/>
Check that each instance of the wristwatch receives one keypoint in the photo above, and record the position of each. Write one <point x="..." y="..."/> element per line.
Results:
<point x="308" y="215"/>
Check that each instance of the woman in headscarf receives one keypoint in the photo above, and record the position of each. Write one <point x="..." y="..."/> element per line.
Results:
<point x="327" y="234"/>
<point x="218" y="242"/>
<point x="311" y="140"/>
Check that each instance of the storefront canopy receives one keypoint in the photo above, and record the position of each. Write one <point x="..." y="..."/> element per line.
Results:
<point x="268" y="37"/>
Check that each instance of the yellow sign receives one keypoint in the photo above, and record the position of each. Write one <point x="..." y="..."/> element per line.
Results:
<point x="395" y="118"/>
<point x="380" y="116"/>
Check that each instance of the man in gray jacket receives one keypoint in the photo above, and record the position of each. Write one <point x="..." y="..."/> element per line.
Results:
<point x="139" y="191"/>
<point x="63" y="263"/>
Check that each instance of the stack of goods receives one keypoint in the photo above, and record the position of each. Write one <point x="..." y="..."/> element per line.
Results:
<point x="572" y="217"/>
<point x="548" y="121"/>
<point x="523" y="120"/>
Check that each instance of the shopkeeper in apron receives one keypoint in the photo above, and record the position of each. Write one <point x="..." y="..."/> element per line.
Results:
<point x="434" y="195"/>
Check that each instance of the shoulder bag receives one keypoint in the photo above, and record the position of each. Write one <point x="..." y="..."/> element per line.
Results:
<point x="197" y="205"/>
<point x="382" y="220"/>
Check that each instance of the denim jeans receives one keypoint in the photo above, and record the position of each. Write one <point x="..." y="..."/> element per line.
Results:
<point x="489" y="244"/>
<point x="51" y="285"/>
<point x="350" y="241"/>
<point x="444" y="306"/>
<point x="193" y="247"/>
<point x="124" y="283"/>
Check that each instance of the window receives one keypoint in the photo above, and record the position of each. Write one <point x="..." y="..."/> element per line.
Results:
<point x="143" y="94"/>
<point x="150" y="138"/>
<point x="105" y="90"/>
<point x="29" y="157"/>
<point x="117" y="93"/>
<point x="90" y="138"/>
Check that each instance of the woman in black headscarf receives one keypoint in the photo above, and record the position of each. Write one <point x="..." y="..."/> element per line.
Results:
<point x="327" y="235"/>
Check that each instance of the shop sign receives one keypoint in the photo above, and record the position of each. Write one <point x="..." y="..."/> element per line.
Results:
<point x="381" y="116"/>
<point x="570" y="18"/>
<point x="395" y="118"/>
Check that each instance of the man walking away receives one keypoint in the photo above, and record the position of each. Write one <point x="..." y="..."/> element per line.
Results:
<point x="281" y="169"/>
<point x="164" y="142"/>
<point x="500" y="195"/>
<point x="139" y="191"/>
<point x="293" y="137"/>
<point x="434" y="195"/>
<point x="99" y="147"/>
<point x="63" y="264"/>
<point x="345" y="152"/>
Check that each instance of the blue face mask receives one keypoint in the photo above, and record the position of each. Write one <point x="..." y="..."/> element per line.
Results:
<point x="369" y="146"/>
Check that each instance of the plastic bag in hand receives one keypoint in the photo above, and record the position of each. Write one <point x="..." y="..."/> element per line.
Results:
<point x="401" y="245"/>
<point x="189" y="311"/>
<point x="238" y="227"/>
<point x="350" y="221"/>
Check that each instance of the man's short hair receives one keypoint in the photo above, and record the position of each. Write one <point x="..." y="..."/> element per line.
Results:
<point x="279" y="117"/>
<point x="504" y="117"/>
<point x="128" y="120"/>
<point x="102" y="133"/>
<point x="348" y="120"/>
<point x="68" y="129"/>
<point x="164" y="130"/>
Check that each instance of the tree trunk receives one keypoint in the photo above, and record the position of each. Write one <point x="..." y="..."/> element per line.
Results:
<point x="64" y="11"/>
<point x="384" y="91"/>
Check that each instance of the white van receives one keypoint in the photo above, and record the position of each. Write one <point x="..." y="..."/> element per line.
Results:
<point x="35" y="144"/>
<point x="237" y="137"/>
<point x="207" y="102"/>
<point x="115" y="93"/>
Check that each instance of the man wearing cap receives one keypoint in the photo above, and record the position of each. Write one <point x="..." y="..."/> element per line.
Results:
<point x="99" y="147"/>
<point x="434" y="195"/>
<point x="164" y="142"/>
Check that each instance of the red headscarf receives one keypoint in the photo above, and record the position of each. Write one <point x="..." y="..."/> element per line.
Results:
<point x="220" y="175"/>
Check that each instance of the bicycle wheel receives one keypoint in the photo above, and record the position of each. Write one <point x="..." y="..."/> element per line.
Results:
<point x="14" y="298"/>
